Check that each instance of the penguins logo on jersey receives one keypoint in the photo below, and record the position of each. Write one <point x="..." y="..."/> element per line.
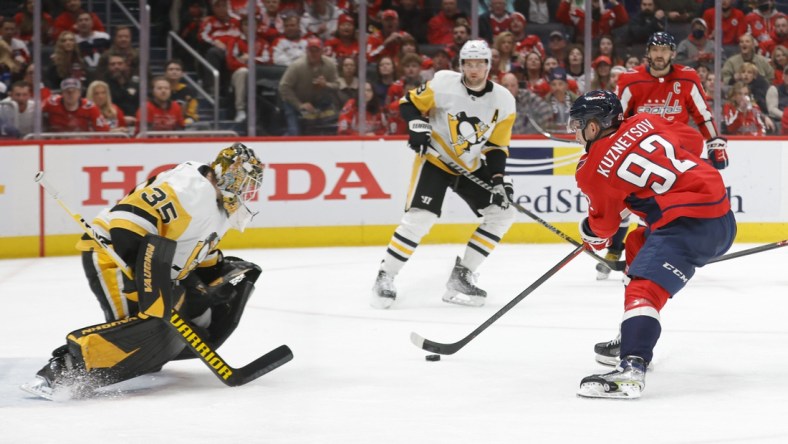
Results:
<point x="467" y="131"/>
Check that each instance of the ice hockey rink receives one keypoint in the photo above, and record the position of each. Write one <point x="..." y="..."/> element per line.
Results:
<point x="719" y="372"/>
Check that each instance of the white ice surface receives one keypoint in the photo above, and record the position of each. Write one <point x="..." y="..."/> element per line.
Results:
<point x="720" y="370"/>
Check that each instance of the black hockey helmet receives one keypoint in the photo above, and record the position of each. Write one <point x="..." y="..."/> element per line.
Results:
<point x="600" y="105"/>
<point x="661" y="38"/>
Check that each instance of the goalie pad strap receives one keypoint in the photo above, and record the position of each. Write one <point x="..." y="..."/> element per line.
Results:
<point x="152" y="275"/>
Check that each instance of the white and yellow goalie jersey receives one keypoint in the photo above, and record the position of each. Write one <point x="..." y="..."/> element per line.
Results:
<point x="464" y="125"/>
<point x="179" y="204"/>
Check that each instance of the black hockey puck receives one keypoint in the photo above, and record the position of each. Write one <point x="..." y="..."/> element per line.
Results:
<point x="433" y="357"/>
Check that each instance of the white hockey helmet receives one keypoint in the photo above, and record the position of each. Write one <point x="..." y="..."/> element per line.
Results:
<point x="476" y="50"/>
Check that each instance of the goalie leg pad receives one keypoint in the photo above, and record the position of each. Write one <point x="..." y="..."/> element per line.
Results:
<point x="152" y="276"/>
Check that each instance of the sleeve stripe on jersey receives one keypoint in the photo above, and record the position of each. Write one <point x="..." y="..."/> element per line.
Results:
<point x="135" y="215"/>
<point x="703" y="110"/>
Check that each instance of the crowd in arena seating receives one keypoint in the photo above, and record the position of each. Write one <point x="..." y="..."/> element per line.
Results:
<point x="309" y="50"/>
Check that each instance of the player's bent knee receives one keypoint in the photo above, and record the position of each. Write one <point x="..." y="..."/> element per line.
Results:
<point x="644" y="293"/>
<point x="418" y="222"/>
<point x="498" y="219"/>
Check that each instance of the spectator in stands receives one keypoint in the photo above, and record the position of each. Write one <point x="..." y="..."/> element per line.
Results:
<point x="69" y="112"/>
<point x="10" y="68"/>
<point x="778" y="36"/>
<point x="603" y="22"/>
<point x="575" y="66"/>
<point x="189" y="29"/>
<point x="92" y="44"/>
<point x="730" y="71"/>
<point x="648" y="21"/>
<point x="529" y="106"/>
<point x="19" y="108"/>
<point x="559" y="98"/>
<point x="549" y="63"/>
<point x="601" y="74"/>
<point x="440" y="60"/>
<point x="678" y="11"/>
<point x="98" y="93"/>
<point x="748" y="74"/>
<point x="214" y="30"/>
<point x="386" y="76"/>
<point x="182" y="92"/>
<point x="779" y="61"/>
<point x="606" y="46"/>
<point x="504" y="43"/>
<point x="696" y="48"/>
<point x="534" y="75"/>
<point x="537" y="11"/>
<point x="237" y="64"/>
<point x="320" y="19"/>
<point x="122" y="46"/>
<point x="632" y="61"/>
<point x="733" y="24"/>
<point x="557" y="46"/>
<point x="43" y="89"/>
<point x="375" y="124"/>
<point x="524" y="42"/>
<point x="741" y="115"/>
<point x="240" y="8"/>
<point x="123" y="86"/>
<point x="460" y="35"/>
<point x="761" y="21"/>
<point x="495" y="21"/>
<point x="67" y="19"/>
<point x="777" y="99"/>
<point x="291" y="45"/>
<point x="270" y="26"/>
<point x="413" y="18"/>
<point x="66" y="62"/>
<point x="163" y="113"/>
<point x="18" y="47"/>
<point x="614" y="73"/>
<point x="24" y="22"/>
<point x="348" y="80"/>
<point x="308" y="89"/>
<point x="440" y="25"/>
<point x="411" y="78"/>
<point x="386" y="42"/>
<point x="345" y="43"/>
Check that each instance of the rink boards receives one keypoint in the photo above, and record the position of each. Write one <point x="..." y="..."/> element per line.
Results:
<point x="338" y="192"/>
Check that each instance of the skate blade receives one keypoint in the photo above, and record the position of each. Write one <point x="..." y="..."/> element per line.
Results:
<point x="611" y="361"/>
<point x="454" y="297"/>
<point x="380" y="302"/>
<point x="38" y="388"/>
<point x="597" y="390"/>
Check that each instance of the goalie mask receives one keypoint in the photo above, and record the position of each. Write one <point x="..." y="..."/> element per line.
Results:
<point x="239" y="176"/>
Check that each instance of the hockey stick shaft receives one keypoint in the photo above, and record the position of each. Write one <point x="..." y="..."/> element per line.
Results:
<point x="613" y="265"/>
<point x="448" y="349"/>
<point x="548" y="135"/>
<point x="190" y="337"/>
<point x="747" y="252"/>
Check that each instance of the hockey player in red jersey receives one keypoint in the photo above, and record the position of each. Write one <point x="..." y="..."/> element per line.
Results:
<point x="671" y="91"/>
<point x="651" y="167"/>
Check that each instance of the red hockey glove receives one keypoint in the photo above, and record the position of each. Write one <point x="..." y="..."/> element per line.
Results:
<point x="591" y="239"/>
<point x="716" y="149"/>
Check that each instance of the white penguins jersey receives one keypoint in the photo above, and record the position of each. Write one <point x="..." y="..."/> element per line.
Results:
<point x="178" y="204"/>
<point x="464" y="125"/>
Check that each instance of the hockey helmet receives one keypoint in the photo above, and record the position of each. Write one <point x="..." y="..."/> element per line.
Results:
<point x="239" y="176"/>
<point x="661" y="38"/>
<point x="476" y="50"/>
<point x="600" y="105"/>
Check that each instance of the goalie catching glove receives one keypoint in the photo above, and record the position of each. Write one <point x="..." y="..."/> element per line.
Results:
<point x="502" y="192"/>
<point x="419" y="135"/>
<point x="590" y="238"/>
<point x="716" y="150"/>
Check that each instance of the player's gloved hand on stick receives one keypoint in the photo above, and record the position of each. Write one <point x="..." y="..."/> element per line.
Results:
<point x="502" y="192"/>
<point x="716" y="149"/>
<point x="590" y="238"/>
<point x="419" y="131"/>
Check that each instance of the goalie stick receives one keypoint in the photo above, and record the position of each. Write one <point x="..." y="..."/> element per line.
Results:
<point x="613" y="265"/>
<point x="230" y="376"/>
<point x="450" y="349"/>
<point x="741" y="253"/>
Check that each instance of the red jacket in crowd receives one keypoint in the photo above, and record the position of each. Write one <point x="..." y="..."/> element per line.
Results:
<point x="86" y="117"/>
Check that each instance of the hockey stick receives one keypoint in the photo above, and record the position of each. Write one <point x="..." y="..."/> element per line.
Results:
<point x="550" y="136"/>
<point x="741" y="253"/>
<point x="613" y="265"/>
<point x="230" y="376"/>
<point x="450" y="349"/>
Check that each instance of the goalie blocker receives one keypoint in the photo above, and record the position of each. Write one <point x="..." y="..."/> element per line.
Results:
<point x="116" y="351"/>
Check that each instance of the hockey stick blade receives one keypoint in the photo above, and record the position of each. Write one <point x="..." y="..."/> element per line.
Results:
<point x="450" y="349"/>
<point x="747" y="252"/>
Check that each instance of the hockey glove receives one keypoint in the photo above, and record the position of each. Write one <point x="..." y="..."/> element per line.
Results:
<point x="590" y="239"/>
<point x="716" y="149"/>
<point x="419" y="132"/>
<point x="502" y="192"/>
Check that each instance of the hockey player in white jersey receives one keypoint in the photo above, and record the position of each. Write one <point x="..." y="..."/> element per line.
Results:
<point x="467" y="119"/>
<point x="194" y="205"/>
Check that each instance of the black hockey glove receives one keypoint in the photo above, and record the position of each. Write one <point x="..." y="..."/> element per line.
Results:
<point x="419" y="135"/>
<point x="502" y="192"/>
<point x="716" y="149"/>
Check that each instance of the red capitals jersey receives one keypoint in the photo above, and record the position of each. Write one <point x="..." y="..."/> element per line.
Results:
<point x="732" y="26"/>
<point x="163" y="119"/>
<point x="339" y="50"/>
<point x="651" y="167"/>
<point x="675" y="97"/>
<point x="347" y="123"/>
<point x="87" y="116"/>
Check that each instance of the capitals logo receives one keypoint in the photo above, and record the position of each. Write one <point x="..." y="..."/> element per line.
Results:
<point x="468" y="131"/>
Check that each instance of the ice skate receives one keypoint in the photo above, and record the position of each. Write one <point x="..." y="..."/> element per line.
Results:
<point x="607" y="352"/>
<point x="62" y="378"/>
<point x="602" y="270"/>
<point x="627" y="381"/>
<point x="383" y="292"/>
<point x="461" y="288"/>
